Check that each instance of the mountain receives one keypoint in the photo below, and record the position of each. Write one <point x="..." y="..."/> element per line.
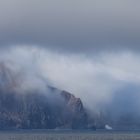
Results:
<point x="32" y="109"/>
<point x="38" y="111"/>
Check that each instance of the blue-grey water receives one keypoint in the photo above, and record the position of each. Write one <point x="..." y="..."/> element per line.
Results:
<point x="70" y="135"/>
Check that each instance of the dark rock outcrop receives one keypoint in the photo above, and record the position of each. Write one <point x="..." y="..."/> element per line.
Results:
<point x="40" y="111"/>
<point x="54" y="109"/>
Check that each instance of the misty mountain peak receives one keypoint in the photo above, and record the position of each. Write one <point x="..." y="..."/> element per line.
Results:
<point x="41" y="106"/>
<point x="7" y="76"/>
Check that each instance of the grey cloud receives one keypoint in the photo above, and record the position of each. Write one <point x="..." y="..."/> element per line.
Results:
<point x="71" y="25"/>
<point x="97" y="80"/>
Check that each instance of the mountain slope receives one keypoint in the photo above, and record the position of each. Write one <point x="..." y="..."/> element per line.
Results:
<point x="36" y="111"/>
<point x="32" y="109"/>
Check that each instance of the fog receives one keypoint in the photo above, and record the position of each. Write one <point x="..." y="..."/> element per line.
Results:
<point x="105" y="80"/>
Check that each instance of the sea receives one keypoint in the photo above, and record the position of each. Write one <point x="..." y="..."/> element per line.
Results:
<point x="70" y="135"/>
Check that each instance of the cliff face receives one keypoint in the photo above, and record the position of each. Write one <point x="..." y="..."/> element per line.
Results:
<point x="25" y="105"/>
<point x="37" y="111"/>
<point x="54" y="109"/>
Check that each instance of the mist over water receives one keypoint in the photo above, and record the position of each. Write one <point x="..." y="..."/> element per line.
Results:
<point x="108" y="82"/>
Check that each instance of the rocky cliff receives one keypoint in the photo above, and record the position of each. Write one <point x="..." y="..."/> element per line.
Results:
<point x="52" y="109"/>
<point x="38" y="111"/>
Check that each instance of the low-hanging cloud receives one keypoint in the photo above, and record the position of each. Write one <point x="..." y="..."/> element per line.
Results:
<point x="99" y="80"/>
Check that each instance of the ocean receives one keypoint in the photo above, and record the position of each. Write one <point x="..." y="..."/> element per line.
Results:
<point x="69" y="135"/>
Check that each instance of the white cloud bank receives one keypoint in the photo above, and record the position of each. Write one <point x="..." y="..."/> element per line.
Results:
<point x="95" y="79"/>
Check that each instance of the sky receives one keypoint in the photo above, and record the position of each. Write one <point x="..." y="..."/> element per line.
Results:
<point x="88" y="47"/>
<point x="69" y="25"/>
